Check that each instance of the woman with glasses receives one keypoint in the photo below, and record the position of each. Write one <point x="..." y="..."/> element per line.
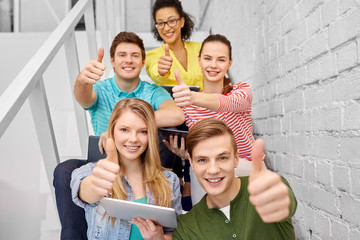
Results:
<point x="174" y="27"/>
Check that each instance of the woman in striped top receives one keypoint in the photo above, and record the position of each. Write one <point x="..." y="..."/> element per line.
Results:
<point x="219" y="99"/>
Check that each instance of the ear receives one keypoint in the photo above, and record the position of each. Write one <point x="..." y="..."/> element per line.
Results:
<point x="182" y="21"/>
<point x="190" y="161"/>
<point x="112" y="62"/>
<point x="230" y="62"/>
<point x="237" y="159"/>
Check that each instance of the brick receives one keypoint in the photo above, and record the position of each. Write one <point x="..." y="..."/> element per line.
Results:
<point x="260" y="110"/>
<point x="323" y="200"/>
<point x="309" y="217"/>
<point x="355" y="176"/>
<point x="341" y="178"/>
<point x="294" y="102"/>
<point x="346" y="5"/>
<point x="285" y="84"/>
<point x="318" y="120"/>
<point x="285" y="123"/>
<point x="324" y="147"/>
<point x="314" y="22"/>
<point x="273" y="70"/>
<point x="289" y="21"/>
<point x="322" y="224"/>
<point x="273" y="52"/>
<point x="301" y="191"/>
<point x="284" y="6"/>
<point x="282" y="47"/>
<point x="296" y="36"/>
<point x="329" y="12"/>
<point x="298" y="167"/>
<point x="350" y="209"/>
<point x="301" y="76"/>
<point x="275" y="108"/>
<point x="308" y="6"/>
<point x="345" y="28"/>
<point x="317" y="96"/>
<point x="333" y="119"/>
<point x="346" y="86"/>
<point x="346" y="56"/>
<point x="299" y="144"/>
<point x="291" y="61"/>
<point x="339" y="230"/>
<point x="352" y="117"/>
<point x="309" y="171"/>
<point x="328" y="66"/>
<point x="272" y="36"/>
<point x="358" y="49"/>
<point x="280" y="143"/>
<point x="314" y="71"/>
<point x="323" y="173"/>
<point x="301" y="122"/>
<point x="259" y="126"/>
<point x="350" y="150"/>
<point x="354" y="234"/>
<point x="315" y="46"/>
<point x="274" y="126"/>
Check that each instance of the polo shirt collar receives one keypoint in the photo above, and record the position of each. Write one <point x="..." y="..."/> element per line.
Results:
<point x="119" y="93"/>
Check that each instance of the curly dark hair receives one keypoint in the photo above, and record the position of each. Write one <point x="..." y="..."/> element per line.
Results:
<point x="188" y="28"/>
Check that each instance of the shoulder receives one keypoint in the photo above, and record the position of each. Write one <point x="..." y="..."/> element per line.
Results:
<point x="193" y="45"/>
<point x="170" y="175"/>
<point x="156" y="50"/>
<point x="241" y="85"/>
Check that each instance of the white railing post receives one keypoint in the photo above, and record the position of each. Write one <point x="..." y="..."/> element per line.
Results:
<point x="73" y="69"/>
<point x="101" y="19"/>
<point x="44" y="130"/>
<point x="90" y="30"/>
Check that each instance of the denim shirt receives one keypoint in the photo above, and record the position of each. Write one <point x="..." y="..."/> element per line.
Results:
<point x="100" y="227"/>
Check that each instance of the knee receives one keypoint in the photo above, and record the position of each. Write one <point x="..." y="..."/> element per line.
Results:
<point x="62" y="172"/>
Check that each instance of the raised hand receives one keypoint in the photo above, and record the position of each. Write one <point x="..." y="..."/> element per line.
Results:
<point x="106" y="170"/>
<point x="148" y="229"/>
<point x="174" y="147"/>
<point x="181" y="93"/>
<point x="93" y="70"/>
<point x="165" y="62"/>
<point x="268" y="193"/>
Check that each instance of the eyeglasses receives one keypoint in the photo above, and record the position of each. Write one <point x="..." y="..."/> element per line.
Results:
<point x="170" y="23"/>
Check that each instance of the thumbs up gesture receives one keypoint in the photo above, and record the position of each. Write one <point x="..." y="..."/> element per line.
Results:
<point x="268" y="193"/>
<point x="181" y="93"/>
<point x="105" y="172"/>
<point x="165" y="62"/>
<point x="93" y="70"/>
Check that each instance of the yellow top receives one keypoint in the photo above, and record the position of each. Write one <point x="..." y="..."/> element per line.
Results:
<point x="192" y="77"/>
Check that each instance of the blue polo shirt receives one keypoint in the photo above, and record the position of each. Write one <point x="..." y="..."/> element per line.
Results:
<point x="108" y="94"/>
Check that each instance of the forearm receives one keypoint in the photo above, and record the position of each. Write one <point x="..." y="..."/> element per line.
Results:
<point x="206" y="100"/>
<point x="169" y="117"/>
<point x="84" y="94"/>
<point x="87" y="193"/>
<point x="168" y="236"/>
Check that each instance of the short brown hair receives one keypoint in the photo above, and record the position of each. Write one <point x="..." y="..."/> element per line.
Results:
<point x="205" y="129"/>
<point x="127" y="37"/>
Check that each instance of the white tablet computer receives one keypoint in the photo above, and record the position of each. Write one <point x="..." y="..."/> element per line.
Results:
<point x="127" y="210"/>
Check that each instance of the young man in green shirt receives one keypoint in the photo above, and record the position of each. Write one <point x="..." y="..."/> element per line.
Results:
<point x="256" y="207"/>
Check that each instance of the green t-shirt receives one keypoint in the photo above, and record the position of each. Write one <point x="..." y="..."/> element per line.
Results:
<point x="245" y="223"/>
<point x="135" y="232"/>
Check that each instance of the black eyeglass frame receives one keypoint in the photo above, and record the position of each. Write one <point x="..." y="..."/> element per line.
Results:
<point x="157" y="25"/>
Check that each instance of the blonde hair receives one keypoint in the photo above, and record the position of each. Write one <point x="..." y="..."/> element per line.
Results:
<point x="154" y="177"/>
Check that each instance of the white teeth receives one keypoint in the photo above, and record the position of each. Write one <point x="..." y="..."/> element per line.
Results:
<point x="128" y="69"/>
<point x="132" y="148"/>
<point x="214" y="180"/>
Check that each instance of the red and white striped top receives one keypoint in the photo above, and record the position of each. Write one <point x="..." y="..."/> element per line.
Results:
<point x="235" y="110"/>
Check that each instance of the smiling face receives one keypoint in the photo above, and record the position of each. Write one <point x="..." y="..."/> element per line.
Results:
<point x="214" y="61"/>
<point x="170" y="35"/>
<point x="127" y="61"/>
<point x="131" y="136"/>
<point x="213" y="161"/>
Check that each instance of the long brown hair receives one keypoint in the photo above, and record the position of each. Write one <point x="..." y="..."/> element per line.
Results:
<point x="220" y="38"/>
<point x="154" y="178"/>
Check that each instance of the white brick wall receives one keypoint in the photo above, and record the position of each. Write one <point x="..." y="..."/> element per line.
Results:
<point x="302" y="59"/>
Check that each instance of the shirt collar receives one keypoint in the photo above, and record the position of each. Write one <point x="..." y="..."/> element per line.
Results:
<point x="119" y="93"/>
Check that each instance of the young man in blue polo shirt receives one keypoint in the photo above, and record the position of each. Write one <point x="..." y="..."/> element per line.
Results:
<point x="127" y="54"/>
<point x="256" y="207"/>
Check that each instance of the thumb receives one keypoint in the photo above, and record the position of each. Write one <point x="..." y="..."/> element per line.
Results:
<point x="100" y="55"/>
<point x="178" y="78"/>
<point x="111" y="151"/>
<point x="257" y="157"/>
<point x="167" y="51"/>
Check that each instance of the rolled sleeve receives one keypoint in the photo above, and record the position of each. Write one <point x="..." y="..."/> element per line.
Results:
<point x="76" y="178"/>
